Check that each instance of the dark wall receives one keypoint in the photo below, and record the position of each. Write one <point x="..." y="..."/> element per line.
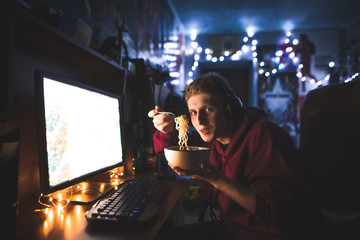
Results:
<point x="37" y="46"/>
<point x="147" y="22"/>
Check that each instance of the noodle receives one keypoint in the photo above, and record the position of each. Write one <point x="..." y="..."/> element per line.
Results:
<point x="181" y="124"/>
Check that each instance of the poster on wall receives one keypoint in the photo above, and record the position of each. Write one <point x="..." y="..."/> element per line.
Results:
<point x="278" y="96"/>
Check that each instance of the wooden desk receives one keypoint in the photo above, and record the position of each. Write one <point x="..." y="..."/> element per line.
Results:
<point x="72" y="223"/>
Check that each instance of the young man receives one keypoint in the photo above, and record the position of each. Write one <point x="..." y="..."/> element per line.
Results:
<point x="253" y="177"/>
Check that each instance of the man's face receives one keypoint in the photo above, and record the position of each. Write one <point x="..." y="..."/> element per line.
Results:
<point x="208" y="118"/>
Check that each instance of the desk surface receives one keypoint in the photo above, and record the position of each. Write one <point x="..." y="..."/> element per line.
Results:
<point x="72" y="223"/>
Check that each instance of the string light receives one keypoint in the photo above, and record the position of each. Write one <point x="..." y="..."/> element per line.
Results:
<point x="59" y="204"/>
<point x="282" y="58"/>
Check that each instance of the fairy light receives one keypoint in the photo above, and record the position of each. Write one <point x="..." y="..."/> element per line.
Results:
<point x="245" y="48"/>
<point x="193" y="34"/>
<point x="196" y="50"/>
<point x="60" y="208"/>
<point x="115" y="175"/>
<point x="235" y="57"/>
<point x="279" y="53"/>
<point x="133" y="168"/>
<point x="288" y="51"/>
<point x="239" y="52"/>
<point x="249" y="50"/>
<point x="194" y="44"/>
<point x="60" y="204"/>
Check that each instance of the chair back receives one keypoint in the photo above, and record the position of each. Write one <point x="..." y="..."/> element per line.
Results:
<point x="330" y="145"/>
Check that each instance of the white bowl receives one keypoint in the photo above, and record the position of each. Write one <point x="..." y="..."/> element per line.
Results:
<point x="187" y="159"/>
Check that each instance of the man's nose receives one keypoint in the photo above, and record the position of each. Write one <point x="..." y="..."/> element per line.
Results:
<point x="201" y="118"/>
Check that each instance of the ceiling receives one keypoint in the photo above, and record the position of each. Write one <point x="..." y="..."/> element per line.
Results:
<point x="235" y="16"/>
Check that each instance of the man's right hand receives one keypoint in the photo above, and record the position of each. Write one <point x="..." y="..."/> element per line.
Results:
<point x="162" y="121"/>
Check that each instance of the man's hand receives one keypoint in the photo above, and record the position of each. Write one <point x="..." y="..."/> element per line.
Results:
<point x="206" y="172"/>
<point x="163" y="122"/>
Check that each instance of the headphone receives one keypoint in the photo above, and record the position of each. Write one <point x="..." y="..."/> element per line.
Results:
<point x="233" y="106"/>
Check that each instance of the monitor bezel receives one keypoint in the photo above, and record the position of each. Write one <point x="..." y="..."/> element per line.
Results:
<point x="45" y="186"/>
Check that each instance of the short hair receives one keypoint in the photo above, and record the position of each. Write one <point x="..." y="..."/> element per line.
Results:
<point x="211" y="83"/>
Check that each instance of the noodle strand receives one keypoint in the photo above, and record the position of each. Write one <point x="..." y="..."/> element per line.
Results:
<point x="181" y="124"/>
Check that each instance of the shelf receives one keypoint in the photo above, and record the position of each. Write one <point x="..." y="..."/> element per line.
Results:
<point x="29" y="23"/>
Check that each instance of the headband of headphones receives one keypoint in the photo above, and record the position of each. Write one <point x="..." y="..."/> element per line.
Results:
<point x="221" y="82"/>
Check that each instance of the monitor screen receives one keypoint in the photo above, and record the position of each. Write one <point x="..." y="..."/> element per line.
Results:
<point x="80" y="131"/>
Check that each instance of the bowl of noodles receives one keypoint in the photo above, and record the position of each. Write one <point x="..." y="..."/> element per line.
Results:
<point x="190" y="158"/>
<point x="184" y="156"/>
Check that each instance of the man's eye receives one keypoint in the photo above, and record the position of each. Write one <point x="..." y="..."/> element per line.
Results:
<point x="192" y="113"/>
<point x="209" y="109"/>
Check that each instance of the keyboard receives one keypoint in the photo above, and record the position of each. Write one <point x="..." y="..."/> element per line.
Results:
<point x="133" y="201"/>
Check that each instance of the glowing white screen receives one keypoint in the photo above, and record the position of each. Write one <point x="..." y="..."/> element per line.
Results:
<point x="82" y="131"/>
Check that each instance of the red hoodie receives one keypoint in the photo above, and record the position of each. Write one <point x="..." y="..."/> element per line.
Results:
<point x="263" y="157"/>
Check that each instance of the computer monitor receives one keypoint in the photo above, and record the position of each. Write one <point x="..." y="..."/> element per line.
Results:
<point x="79" y="133"/>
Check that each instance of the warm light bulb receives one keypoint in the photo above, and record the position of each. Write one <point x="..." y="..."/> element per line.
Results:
<point x="59" y="208"/>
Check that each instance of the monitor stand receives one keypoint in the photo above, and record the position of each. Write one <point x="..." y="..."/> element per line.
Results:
<point x="84" y="192"/>
<point x="91" y="193"/>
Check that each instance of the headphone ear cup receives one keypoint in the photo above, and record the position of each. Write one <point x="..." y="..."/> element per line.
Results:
<point x="232" y="106"/>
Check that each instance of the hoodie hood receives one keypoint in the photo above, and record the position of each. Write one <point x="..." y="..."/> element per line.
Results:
<point x="250" y="116"/>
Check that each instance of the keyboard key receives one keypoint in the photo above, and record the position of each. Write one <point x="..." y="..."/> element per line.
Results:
<point x="126" y="203"/>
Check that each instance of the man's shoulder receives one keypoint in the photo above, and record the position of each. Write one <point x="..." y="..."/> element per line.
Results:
<point x="266" y="128"/>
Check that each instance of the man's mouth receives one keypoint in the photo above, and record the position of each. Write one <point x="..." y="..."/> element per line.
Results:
<point x="205" y="130"/>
